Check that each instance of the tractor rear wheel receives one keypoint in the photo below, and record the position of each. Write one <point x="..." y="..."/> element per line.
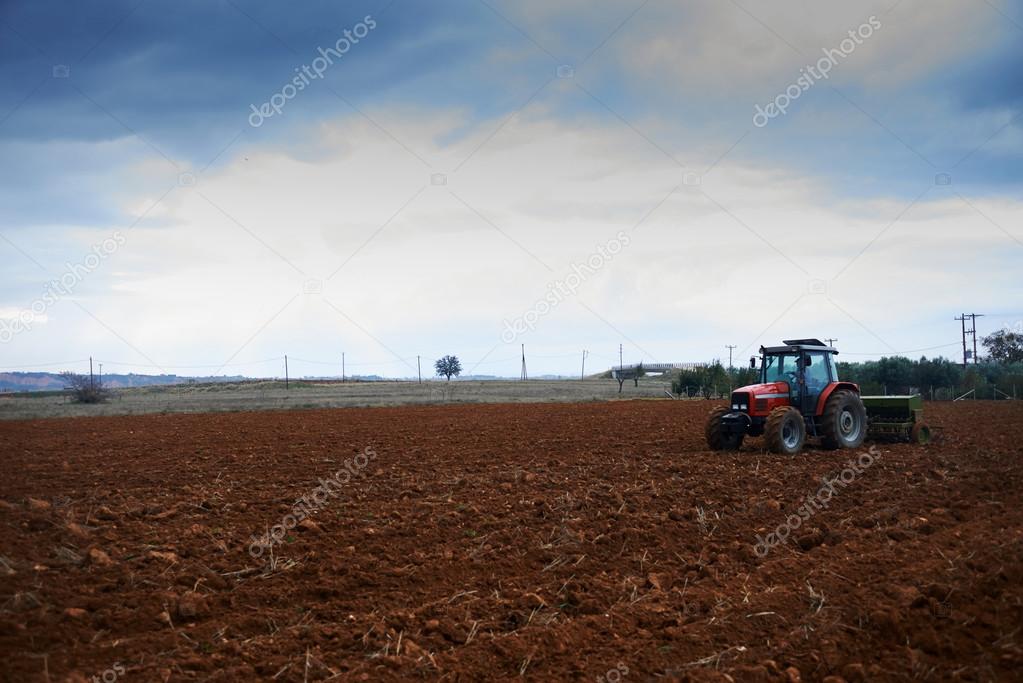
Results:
<point x="844" y="422"/>
<point x="785" y="431"/>
<point x="717" y="438"/>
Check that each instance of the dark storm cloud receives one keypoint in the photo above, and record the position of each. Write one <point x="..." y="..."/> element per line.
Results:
<point x="184" y="74"/>
<point x="176" y="80"/>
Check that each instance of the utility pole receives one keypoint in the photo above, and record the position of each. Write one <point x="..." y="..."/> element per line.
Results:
<point x="342" y="367"/>
<point x="91" y="383"/>
<point x="973" y="317"/>
<point x="831" y="342"/>
<point x="972" y="332"/>
<point x="730" y="347"/>
<point x="963" y="320"/>
<point x="285" y="372"/>
<point x="582" y="375"/>
<point x="524" y="376"/>
<point x="101" y="374"/>
<point x="621" y="369"/>
<point x="419" y="367"/>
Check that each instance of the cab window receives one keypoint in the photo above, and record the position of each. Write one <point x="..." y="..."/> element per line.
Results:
<point x="781" y="368"/>
<point x="817" y="376"/>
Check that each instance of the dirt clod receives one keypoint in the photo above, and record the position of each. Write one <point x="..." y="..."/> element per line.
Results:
<point x="99" y="558"/>
<point x="191" y="605"/>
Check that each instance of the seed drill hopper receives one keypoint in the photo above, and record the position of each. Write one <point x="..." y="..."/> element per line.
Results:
<point x="896" y="417"/>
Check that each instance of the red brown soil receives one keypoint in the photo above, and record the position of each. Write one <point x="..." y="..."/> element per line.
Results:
<point x="562" y="541"/>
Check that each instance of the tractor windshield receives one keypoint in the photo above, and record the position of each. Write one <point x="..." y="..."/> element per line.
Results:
<point x="781" y="368"/>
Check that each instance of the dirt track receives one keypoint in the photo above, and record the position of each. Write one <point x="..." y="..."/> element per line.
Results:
<point x="562" y="541"/>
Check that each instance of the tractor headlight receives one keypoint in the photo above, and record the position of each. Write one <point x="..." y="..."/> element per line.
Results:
<point x="740" y="400"/>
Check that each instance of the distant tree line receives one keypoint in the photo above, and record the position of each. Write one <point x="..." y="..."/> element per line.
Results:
<point x="711" y="381"/>
<point x="937" y="378"/>
<point x="997" y="375"/>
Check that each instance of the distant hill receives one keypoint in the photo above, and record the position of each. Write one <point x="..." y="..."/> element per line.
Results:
<point x="51" y="381"/>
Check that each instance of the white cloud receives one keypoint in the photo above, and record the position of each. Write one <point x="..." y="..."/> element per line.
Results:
<point x="10" y="313"/>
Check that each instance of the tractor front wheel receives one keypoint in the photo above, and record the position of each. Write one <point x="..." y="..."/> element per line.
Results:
<point x="717" y="438"/>
<point x="785" y="431"/>
<point x="844" y="422"/>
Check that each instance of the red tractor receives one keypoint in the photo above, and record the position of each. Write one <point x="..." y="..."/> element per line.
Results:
<point x="799" y="394"/>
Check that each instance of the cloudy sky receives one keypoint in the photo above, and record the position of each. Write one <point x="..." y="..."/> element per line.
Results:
<point x="203" y="186"/>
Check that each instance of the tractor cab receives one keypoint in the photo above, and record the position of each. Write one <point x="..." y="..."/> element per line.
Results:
<point x="807" y="366"/>
<point x="799" y="393"/>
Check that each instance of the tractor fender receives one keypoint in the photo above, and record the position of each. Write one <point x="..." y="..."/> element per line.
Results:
<point x="832" y="388"/>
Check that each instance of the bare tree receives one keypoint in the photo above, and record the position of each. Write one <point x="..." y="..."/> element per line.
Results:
<point x="85" y="389"/>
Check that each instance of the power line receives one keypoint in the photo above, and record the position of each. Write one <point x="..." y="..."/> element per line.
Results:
<point x="890" y="353"/>
<point x="334" y="363"/>
<point x="45" y="365"/>
<point x="275" y="359"/>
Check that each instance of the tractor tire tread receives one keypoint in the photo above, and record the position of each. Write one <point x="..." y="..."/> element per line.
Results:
<point x="712" y="431"/>
<point x="830" y="416"/>
<point x="773" y="429"/>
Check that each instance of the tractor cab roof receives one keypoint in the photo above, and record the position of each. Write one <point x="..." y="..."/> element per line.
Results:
<point x="796" y="345"/>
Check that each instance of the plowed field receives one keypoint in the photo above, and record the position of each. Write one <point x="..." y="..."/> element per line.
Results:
<point x="595" y="541"/>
